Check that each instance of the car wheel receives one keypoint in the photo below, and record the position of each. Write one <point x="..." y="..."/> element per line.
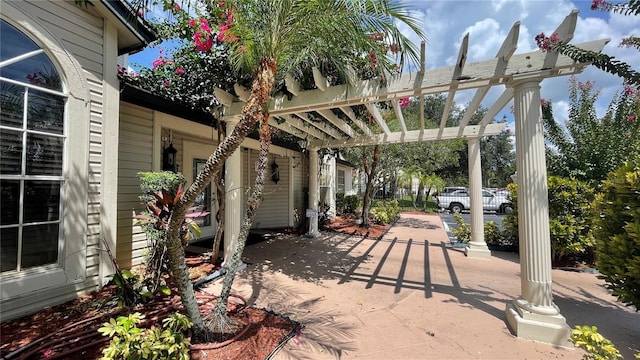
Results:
<point x="455" y="208"/>
<point x="506" y="209"/>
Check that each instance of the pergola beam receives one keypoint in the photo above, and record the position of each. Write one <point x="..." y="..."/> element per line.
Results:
<point x="399" y="116"/>
<point x="457" y="71"/>
<point x="339" y="123"/>
<point x="320" y="126"/>
<point x="435" y="81"/>
<point x="303" y="126"/>
<point x="500" y="104"/>
<point x="361" y="124"/>
<point x="375" y="113"/>
<point x="416" y="136"/>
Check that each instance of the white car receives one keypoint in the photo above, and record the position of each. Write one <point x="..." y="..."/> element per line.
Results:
<point x="458" y="200"/>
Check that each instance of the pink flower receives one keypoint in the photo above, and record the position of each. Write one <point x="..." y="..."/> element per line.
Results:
<point x="598" y="5"/>
<point x="508" y="131"/>
<point x="166" y="83"/>
<point x="628" y="90"/>
<point x="544" y="102"/>
<point x="140" y="13"/>
<point x="585" y="86"/>
<point x="180" y="70"/>
<point x="176" y="6"/>
<point x="404" y="102"/>
<point x="394" y="48"/>
<point x="157" y="63"/>
<point x="242" y="48"/>
<point x="546" y="43"/>
<point x="204" y="25"/>
<point x="631" y="118"/>
<point x="203" y="41"/>
<point x="47" y="353"/>
<point x="192" y="23"/>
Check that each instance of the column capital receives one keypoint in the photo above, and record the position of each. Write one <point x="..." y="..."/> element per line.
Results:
<point x="531" y="78"/>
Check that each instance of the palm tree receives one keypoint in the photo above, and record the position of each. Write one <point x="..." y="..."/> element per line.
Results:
<point x="273" y="38"/>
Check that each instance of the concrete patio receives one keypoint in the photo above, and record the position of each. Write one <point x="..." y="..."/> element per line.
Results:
<point x="411" y="296"/>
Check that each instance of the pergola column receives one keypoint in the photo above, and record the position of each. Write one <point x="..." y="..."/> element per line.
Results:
<point x="477" y="246"/>
<point x="314" y="192"/>
<point x="233" y="198"/>
<point x="533" y="315"/>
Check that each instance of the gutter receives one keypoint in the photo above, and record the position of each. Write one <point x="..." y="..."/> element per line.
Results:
<point x="139" y="27"/>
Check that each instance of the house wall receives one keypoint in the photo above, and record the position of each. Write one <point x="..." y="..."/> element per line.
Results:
<point x="76" y="42"/>
<point x="144" y="133"/>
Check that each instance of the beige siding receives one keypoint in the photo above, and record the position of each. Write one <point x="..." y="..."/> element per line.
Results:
<point x="299" y="191"/>
<point x="80" y="35"/>
<point x="274" y="208"/>
<point x="135" y="154"/>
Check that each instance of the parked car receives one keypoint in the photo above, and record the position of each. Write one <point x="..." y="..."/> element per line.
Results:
<point x="450" y="189"/>
<point x="458" y="200"/>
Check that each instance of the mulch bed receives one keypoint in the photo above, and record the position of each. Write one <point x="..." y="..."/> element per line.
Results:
<point x="345" y="224"/>
<point x="69" y="330"/>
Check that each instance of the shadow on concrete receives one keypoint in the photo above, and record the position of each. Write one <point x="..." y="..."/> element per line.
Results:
<point x="416" y="223"/>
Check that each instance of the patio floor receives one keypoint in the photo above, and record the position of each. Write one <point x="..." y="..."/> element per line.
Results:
<point x="411" y="296"/>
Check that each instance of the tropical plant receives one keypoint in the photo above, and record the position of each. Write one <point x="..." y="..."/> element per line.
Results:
<point x="462" y="231"/>
<point x="265" y="40"/>
<point x="385" y="211"/>
<point x="601" y="61"/>
<point x="597" y="346"/>
<point x="617" y="210"/>
<point x="588" y="148"/>
<point x="128" y="341"/>
<point x="492" y="234"/>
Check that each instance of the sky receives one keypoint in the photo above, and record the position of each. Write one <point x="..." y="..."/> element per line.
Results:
<point x="489" y="21"/>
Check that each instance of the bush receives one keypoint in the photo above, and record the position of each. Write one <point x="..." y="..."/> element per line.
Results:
<point x="492" y="234"/>
<point x="385" y="211"/>
<point x="618" y="233"/>
<point x="351" y="203"/>
<point x="462" y="231"/>
<point x="128" y="341"/>
<point x="597" y="346"/>
<point x="570" y="220"/>
<point x="340" y="203"/>
<point x="151" y="182"/>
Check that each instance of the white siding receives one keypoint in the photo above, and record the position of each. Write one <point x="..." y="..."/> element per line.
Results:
<point x="135" y="155"/>
<point x="78" y="39"/>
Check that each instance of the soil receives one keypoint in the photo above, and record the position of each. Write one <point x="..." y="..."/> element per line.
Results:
<point x="69" y="330"/>
<point x="345" y="224"/>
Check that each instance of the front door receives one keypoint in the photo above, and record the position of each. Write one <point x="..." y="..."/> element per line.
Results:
<point x="195" y="156"/>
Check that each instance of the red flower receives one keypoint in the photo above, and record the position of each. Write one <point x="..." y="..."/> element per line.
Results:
<point x="598" y="5"/>
<point x="176" y="6"/>
<point x="180" y="70"/>
<point x="628" y="90"/>
<point x="404" y="102"/>
<point x="630" y="118"/>
<point x="546" y="43"/>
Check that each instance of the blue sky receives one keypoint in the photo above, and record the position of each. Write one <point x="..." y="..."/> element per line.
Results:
<point x="489" y="21"/>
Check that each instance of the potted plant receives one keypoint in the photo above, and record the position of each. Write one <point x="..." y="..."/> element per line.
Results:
<point x="358" y="214"/>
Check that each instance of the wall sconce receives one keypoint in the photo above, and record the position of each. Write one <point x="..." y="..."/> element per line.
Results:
<point x="303" y="144"/>
<point x="275" y="171"/>
<point x="169" y="158"/>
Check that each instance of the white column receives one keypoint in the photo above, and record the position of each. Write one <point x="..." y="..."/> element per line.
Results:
<point x="233" y="199"/>
<point x="533" y="315"/>
<point x="477" y="246"/>
<point x="314" y="192"/>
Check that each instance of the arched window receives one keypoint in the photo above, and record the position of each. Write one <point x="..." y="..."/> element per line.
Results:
<point x="32" y="154"/>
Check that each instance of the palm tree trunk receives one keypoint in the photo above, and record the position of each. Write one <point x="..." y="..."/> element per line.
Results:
<point x="251" y="113"/>
<point x="220" y="321"/>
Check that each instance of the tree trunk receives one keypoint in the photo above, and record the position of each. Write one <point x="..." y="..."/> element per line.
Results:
<point x="220" y="321"/>
<point x="252" y="112"/>
<point x="368" y="193"/>
<point x="220" y="195"/>
<point x="419" y="202"/>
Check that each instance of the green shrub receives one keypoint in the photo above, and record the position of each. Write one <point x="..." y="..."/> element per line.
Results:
<point x="462" y="231"/>
<point x="351" y="203"/>
<point x="618" y="233"/>
<point x="570" y="220"/>
<point x="340" y="203"/>
<point x="385" y="211"/>
<point x="152" y="181"/>
<point x="597" y="346"/>
<point x="492" y="234"/>
<point x="128" y="341"/>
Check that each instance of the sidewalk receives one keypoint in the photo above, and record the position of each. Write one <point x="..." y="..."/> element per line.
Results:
<point x="411" y="296"/>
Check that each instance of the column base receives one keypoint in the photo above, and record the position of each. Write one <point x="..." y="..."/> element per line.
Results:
<point x="311" y="234"/>
<point x="550" y="329"/>
<point x="477" y="251"/>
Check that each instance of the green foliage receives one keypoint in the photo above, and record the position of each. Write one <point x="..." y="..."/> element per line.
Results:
<point x="492" y="234"/>
<point x="153" y="182"/>
<point x="597" y="346"/>
<point x="618" y="233"/>
<point x="128" y="341"/>
<point x="352" y="203"/>
<point x="570" y="221"/>
<point x="130" y="290"/>
<point x="340" y="202"/>
<point x="588" y="148"/>
<point x="385" y="211"/>
<point x="463" y="230"/>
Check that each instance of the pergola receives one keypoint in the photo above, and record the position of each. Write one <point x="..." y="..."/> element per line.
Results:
<point x="533" y="314"/>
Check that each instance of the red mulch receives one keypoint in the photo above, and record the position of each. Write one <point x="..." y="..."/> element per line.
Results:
<point x="346" y="224"/>
<point x="83" y="316"/>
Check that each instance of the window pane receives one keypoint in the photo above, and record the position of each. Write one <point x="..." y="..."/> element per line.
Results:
<point x="39" y="245"/>
<point x="37" y="70"/>
<point x="44" y="155"/>
<point x="11" y="104"/>
<point x="9" y="205"/>
<point x="10" y="152"/>
<point x="45" y="112"/>
<point x="41" y="201"/>
<point x="8" y="249"/>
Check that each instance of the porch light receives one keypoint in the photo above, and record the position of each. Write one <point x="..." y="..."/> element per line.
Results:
<point x="169" y="158"/>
